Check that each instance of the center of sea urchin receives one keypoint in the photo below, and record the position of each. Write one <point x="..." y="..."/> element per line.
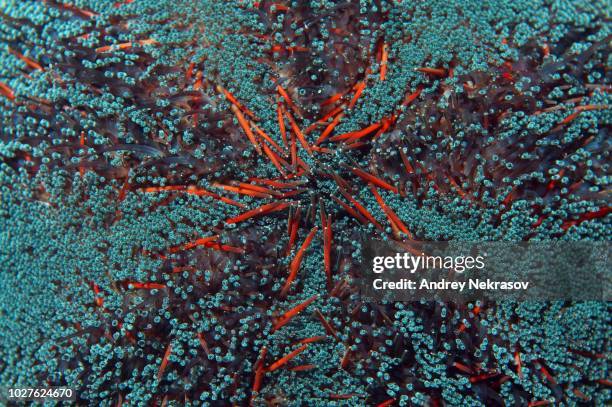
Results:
<point x="212" y="174"/>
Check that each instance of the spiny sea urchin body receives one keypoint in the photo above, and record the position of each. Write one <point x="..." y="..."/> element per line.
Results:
<point x="187" y="188"/>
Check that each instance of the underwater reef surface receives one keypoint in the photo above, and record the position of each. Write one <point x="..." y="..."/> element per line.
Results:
<point x="186" y="188"/>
